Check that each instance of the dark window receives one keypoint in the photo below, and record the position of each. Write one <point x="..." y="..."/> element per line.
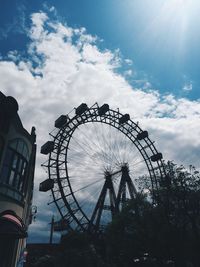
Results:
<point x="1" y="146"/>
<point x="15" y="164"/>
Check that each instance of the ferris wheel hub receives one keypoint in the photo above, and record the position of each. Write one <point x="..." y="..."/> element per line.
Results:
<point x="125" y="168"/>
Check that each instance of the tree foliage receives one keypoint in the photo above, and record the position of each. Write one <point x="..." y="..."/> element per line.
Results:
<point x="161" y="233"/>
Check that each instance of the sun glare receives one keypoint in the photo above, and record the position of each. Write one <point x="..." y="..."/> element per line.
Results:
<point x="170" y="25"/>
<point x="179" y="3"/>
<point x="177" y="13"/>
<point x="180" y="6"/>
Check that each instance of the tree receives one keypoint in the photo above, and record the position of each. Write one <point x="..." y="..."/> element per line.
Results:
<point x="161" y="233"/>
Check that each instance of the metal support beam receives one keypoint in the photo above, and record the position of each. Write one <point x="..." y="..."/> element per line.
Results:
<point x="97" y="213"/>
<point x="125" y="183"/>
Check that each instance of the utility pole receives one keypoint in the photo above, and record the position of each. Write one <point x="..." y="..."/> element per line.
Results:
<point x="52" y="228"/>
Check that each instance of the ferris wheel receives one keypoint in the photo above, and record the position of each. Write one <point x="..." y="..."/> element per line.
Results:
<point x="95" y="159"/>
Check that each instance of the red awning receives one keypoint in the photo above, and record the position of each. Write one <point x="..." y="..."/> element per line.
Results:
<point x="11" y="225"/>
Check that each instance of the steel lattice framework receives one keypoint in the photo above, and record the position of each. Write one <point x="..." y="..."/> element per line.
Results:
<point x="64" y="195"/>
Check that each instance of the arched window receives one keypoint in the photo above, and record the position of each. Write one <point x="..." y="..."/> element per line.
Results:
<point x="15" y="164"/>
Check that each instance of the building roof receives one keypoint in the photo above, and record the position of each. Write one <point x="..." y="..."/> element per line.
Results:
<point x="9" y="114"/>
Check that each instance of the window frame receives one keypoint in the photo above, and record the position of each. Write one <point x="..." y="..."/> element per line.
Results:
<point x="16" y="163"/>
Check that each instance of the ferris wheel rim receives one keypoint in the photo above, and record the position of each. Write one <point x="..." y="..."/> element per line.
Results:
<point x="110" y="118"/>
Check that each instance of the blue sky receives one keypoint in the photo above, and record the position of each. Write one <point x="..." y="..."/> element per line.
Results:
<point x="140" y="56"/>
<point x="148" y="32"/>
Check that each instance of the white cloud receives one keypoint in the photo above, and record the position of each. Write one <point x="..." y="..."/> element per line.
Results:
<point x="128" y="73"/>
<point x="91" y="54"/>
<point x="37" y="30"/>
<point x="71" y="69"/>
<point x="187" y="86"/>
<point x="128" y="61"/>
<point x="52" y="9"/>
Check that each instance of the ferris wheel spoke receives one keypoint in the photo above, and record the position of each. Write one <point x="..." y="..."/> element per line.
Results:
<point x="91" y="197"/>
<point x="94" y="143"/>
<point x="114" y="147"/>
<point x="106" y="143"/>
<point x="107" y="138"/>
<point x="105" y="150"/>
<point x="76" y="177"/>
<point x="84" y="187"/>
<point x="93" y="157"/>
<point x="87" y="152"/>
<point x="137" y="163"/>
<point x="91" y="144"/>
<point x="85" y="161"/>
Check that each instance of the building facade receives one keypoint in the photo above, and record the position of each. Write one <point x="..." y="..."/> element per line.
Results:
<point x="17" y="163"/>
